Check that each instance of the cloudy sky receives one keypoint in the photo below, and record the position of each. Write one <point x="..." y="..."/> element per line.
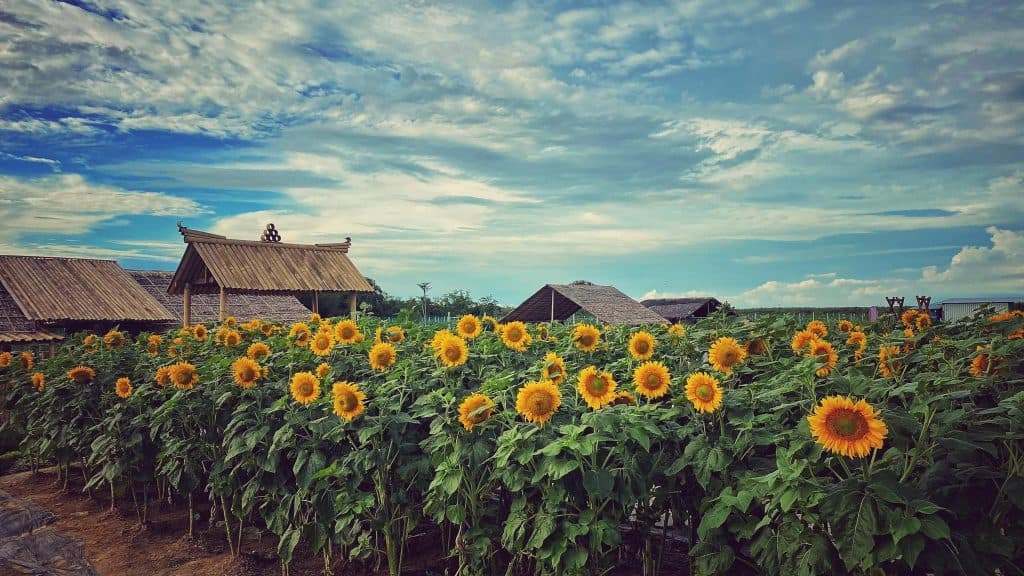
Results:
<point x="770" y="153"/>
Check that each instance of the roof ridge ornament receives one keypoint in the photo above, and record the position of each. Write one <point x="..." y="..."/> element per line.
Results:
<point x="270" y="234"/>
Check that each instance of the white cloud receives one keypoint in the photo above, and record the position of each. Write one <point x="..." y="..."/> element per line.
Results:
<point x="828" y="59"/>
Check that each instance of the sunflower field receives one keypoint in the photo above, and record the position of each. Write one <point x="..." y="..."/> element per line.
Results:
<point x="764" y="447"/>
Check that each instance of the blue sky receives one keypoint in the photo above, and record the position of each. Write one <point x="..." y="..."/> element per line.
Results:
<point x="769" y="153"/>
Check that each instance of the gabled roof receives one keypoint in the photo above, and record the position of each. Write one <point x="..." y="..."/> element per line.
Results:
<point x="212" y="261"/>
<point x="206" y="307"/>
<point x="15" y="327"/>
<point x="75" y="289"/>
<point x="606" y="303"/>
<point x="991" y="300"/>
<point x="676" y="308"/>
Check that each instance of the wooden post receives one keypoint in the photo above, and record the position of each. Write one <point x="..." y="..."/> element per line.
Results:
<point x="223" y="304"/>
<point x="186" y="313"/>
<point x="352" y="305"/>
<point x="53" y="349"/>
<point x="316" y="302"/>
<point x="552" y="305"/>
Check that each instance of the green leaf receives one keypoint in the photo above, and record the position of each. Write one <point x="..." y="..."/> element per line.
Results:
<point x="543" y="526"/>
<point x="599" y="483"/>
<point x="713" y="519"/>
<point x="906" y="526"/>
<point x="289" y="540"/>
<point x="787" y="499"/>
<point x="456" y="514"/>
<point x="935" y="528"/>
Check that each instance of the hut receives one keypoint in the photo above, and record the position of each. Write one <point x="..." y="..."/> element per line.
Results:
<point x="43" y="297"/>
<point x="215" y="264"/>
<point x="560" y="301"/>
<point x="680" y="310"/>
<point x="954" y="309"/>
<point x="280" y="308"/>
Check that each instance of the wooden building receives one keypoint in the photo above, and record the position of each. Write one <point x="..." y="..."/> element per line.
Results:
<point x="215" y="264"/>
<point x="683" y="310"/>
<point x="43" y="298"/>
<point x="560" y="301"/>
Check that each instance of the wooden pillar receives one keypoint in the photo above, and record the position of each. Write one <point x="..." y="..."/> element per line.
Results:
<point x="53" y="349"/>
<point x="316" y="302"/>
<point x="186" y="313"/>
<point x="223" y="304"/>
<point x="352" y="305"/>
<point x="552" y="305"/>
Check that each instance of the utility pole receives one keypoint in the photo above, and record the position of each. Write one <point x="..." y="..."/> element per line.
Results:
<point x="424" y="286"/>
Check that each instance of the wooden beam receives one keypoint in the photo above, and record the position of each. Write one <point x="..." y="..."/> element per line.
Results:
<point x="352" y="305"/>
<point x="223" y="304"/>
<point x="316" y="302"/>
<point x="186" y="313"/>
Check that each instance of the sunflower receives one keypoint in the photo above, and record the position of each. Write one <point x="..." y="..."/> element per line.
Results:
<point x="252" y="325"/>
<point x="845" y="326"/>
<point x="553" y="369"/>
<point x="232" y="338"/>
<point x="199" y="332"/>
<point x="246" y="372"/>
<point x="860" y="340"/>
<point x="983" y="364"/>
<point x="490" y="322"/>
<point x="89" y="342"/>
<point x="542" y="332"/>
<point x="677" y="330"/>
<point x="438" y="339"/>
<point x="756" y="347"/>
<point x="346" y="332"/>
<point x="230" y="321"/>
<point x="382" y="356"/>
<point x="322" y="343"/>
<point x="469" y="327"/>
<point x="703" y="391"/>
<point x="586" y="337"/>
<point x="623" y="398"/>
<point x="651" y="379"/>
<point x="305" y="387"/>
<point x="395" y="334"/>
<point x="818" y="328"/>
<point x="801" y="340"/>
<point x="81" y="374"/>
<point x="300" y="334"/>
<point x="113" y="339"/>
<point x="725" y="353"/>
<point x="888" y="364"/>
<point x="314" y="318"/>
<point x="825" y="354"/>
<point x="515" y="336"/>
<point x="163" y="376"/>
<point x="258" y="350"/>
<point x="322" y="370"/>
<point x="347" y="400"/>
<point x="845" y="427"/>
<point x="909" y="317"/>
<point x="475" y="409"/>
<point x="641" y="345"/>
<point x="923" y="322"/>
<point x="378" y="335"/>
<point x="453" y="351"/>
<point x="123" y="387"/>
<point x="184" y="376"/>
<point x="153" y="345"/>
<point x="596" y="387"/>
<point x="39" y="381"/>
<point x="268" y="329"/>
<point x="220" y="333"/>
<point x="5" y="359"/>
<point x="538" y="401"/>
<point x="27" y="362"/>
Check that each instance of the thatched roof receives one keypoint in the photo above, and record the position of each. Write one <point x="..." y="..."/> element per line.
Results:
<point x="212" y="262"/>
<point x="73" y="289"/>
<point x="679" y="309"/>
<point x="206" y="307"/>
<point x="15" y="327"/>
<point x="606" y="303"/>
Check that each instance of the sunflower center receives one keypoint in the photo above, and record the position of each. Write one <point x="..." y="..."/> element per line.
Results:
<point x="705" y="392"/>
<point x="729" y="357"/>
<point x="306" y="388"/>
<point x="586" y="340"/>
<point x="346" y="333"/>
<point x="349" y="401"/>
<point x="597" y="385"/>
<point x="653" y="380"/>
<point x="248" y="374"/>
<point x="642" y="347"/>
<point x="515" y="335"/>
<point x="540" y="403"/>
<point x="452" y="353"/>
<point x="847" y="424"/>
<point x="554" y="371"/>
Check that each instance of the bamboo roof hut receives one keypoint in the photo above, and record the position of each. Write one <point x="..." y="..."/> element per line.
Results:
<point x="677" y="310"/>
<point x="561" y="301"/>
<point x="40" y="294"/>
<point x="206" y="307"/>
<point x="215" y="264"/>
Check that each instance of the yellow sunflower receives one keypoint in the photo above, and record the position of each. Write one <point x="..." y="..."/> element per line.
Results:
<point x="677" y="330"/>
<point x="218" y="336"/>
<point x="586" y="337"/>
<point x="515" y="336"/>
<point x="246" y="372"/>
<point x="163" y="376"/>
<point x="596" y="387"/>
<point x="268" y="329"/>
<point x="825" y="355"/>
<point x="39" y="381"/>
<point x="113" y="339"/>
<point x="888" y="363"/>
<point x="184" y="376"/>
<point x="258" y="350"/>
<point x="314" y="318"/>
<point x="346" y="332"/>
<point x="395" y="334"/>
<point x="845" y="427"/>
<point x="230" y="321"/>
<point x="382" y="356"/>
<point x="538" y="401"/>
<point x="453" y="351"/>
<point x="300" y="334"/>
<point x="5" y="359"/>
<point x="859" y="341"/>
<point x="322" y="343"/>
<point x="845" y="326"/>
<point x="490" y="322"/>
<point x="475" y="409"/>
<point x="818" y="328"/>
<point x="199" y="332"/>
<point x="322" y="370"/>
<point x="123" y="387"/>
<point x="726" y="353"/>
<point x="438" y="339"/>
<point x="305" y="387"/>
<point x="623" y="398"/>
<point x="756" y="347"/>
<point x="89" y="342"/>
<point x="909" y="317"/>
<point x="27" y="362"/>
<point x="923" y="322"/>
<point x="641" y="345"/>
<point x="651" y="379"/>
<point x="81" y="374"/>
<point x="703" y="391"/>
<point x="153" y="345"/>
<point x="469" y="327"/>
<point x="347" y="400"/>
<point x="553" y="369"/>
<point x="983" y="364"/>
<point x="232" y="339"/>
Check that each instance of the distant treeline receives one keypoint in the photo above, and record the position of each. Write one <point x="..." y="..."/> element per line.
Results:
<point x="383" y="305"/>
